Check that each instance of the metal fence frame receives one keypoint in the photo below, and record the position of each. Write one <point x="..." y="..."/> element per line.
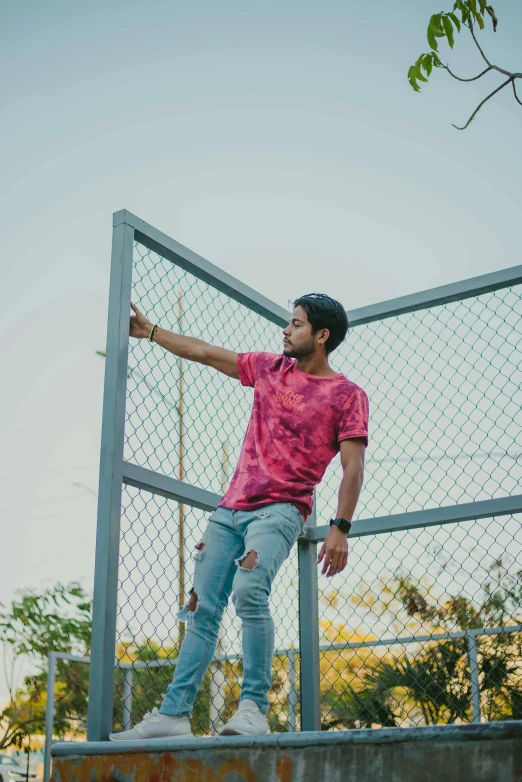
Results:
<point x="114" y="472"/>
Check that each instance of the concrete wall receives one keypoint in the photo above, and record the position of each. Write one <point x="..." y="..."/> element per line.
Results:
<point x="491" y="752"/>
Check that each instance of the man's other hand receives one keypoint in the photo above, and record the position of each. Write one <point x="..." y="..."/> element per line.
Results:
<point x="334" y="552"/>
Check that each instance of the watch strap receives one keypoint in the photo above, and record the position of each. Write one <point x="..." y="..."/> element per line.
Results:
<point x="343" y="524"/>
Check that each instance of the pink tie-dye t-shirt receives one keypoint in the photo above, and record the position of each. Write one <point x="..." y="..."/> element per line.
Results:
<point x="295" y="427"/>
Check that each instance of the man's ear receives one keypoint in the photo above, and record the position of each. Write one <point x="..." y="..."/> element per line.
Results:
<point x="323" y="339"/>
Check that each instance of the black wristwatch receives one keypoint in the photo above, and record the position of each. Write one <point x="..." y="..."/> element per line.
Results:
<point x="343" y="524"/>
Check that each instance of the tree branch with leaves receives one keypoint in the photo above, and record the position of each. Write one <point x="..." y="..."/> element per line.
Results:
<point x="468" y="14"/>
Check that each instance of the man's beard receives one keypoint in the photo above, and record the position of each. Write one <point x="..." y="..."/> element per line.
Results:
<point x="303" y="350"/>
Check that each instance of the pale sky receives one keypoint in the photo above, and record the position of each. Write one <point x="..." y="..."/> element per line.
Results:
<point x="283" y="143"/>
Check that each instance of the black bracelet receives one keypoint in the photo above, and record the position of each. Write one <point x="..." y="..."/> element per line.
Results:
<point x="152" y="332"/>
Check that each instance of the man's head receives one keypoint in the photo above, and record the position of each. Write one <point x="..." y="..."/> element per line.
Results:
<point x="317" y="323"/>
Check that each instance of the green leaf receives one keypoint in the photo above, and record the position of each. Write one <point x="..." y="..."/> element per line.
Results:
<point x="432" y="39"/>
<point x="414" y="84"/>
<point x="455" y="20"/>
<point x="476" y="13"/>
<point x="448" y="30"/>
<point x="489" y="9"/>
<point x="427" y="63"/>
<point x="482" y="4"/>
<point x="415" y="73"/>
<point x="436" y="24"/>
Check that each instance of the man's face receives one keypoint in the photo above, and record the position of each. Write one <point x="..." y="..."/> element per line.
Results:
<point x="299" y="342"/>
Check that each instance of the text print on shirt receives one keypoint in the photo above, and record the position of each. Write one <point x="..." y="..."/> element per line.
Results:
<point x="291" y="400"/>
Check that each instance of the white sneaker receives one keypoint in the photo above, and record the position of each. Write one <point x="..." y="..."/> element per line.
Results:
<point x="155" y="726"/>
<point x="248" y="720"/>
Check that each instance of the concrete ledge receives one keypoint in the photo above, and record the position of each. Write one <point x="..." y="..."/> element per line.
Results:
<point x="482" y="732"/>
<point x="489" y="752"/>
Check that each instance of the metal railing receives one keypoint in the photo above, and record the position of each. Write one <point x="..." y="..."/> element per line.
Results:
<point x="442" y="371"/>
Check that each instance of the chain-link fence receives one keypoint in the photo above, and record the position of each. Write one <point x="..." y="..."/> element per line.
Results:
<point x="188" y="421"/>
<point x="444" y="385"/>
<point x="445" y="390"/>
<point x="443" y="380"/>
<point x="459" y="583"/>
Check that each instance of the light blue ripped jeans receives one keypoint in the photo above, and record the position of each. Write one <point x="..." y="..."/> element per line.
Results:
<point x="271" y="532"/>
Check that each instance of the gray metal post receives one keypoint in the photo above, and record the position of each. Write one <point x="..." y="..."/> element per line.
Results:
<point x="49" y="715"/>
<point x="309" y="632"/>
<point x="127" y="698"/>
<point x="292" y="695"/>
<point x="474" y="674"/>
<point x="101" y="681"/>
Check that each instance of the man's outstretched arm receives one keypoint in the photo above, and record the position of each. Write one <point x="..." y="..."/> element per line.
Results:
<point x="185" y="347"/>
<point x="334" y="551"/>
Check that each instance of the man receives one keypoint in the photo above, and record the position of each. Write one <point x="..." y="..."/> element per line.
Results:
<point x="303" y="414"/>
